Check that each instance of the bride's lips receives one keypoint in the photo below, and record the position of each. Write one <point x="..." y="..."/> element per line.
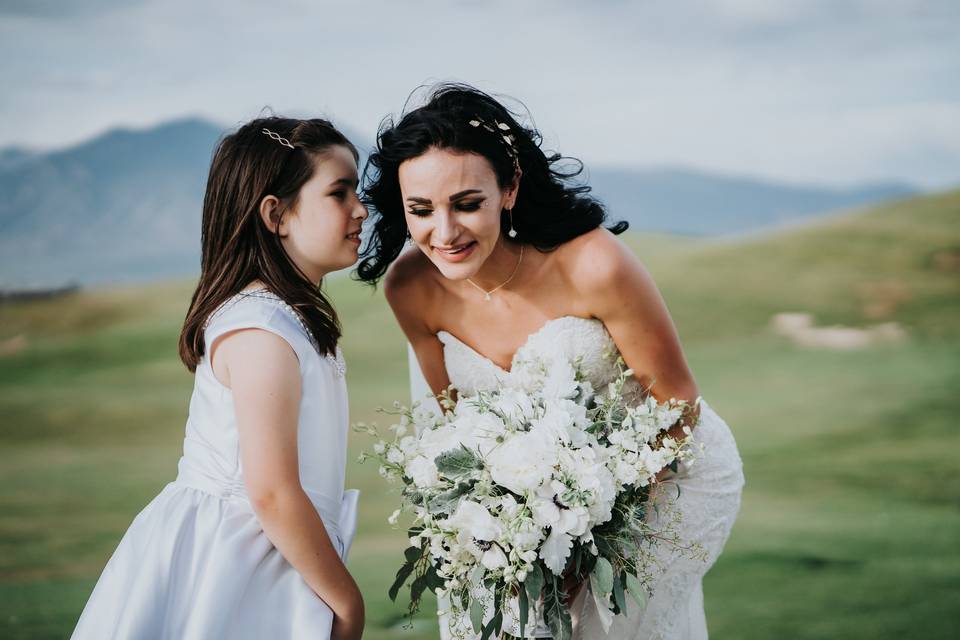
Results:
<point x="456" y="253"/>
<point x="354" y="237"/>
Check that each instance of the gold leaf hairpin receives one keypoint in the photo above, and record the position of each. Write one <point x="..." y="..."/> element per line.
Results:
<point x="502" y="131"/>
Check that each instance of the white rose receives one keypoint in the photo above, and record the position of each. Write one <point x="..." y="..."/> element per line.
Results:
<point x="573" y="521"/>
<point x="523" y="462"/>
<point x="436" y="441"/>
<point x="423" y="472"/>
<point x="473" y="519"/>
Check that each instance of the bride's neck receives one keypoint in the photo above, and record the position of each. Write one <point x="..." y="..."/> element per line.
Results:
<point x="499" y="266"/>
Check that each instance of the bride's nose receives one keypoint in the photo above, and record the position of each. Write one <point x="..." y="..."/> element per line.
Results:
<point x="447" y="229"/>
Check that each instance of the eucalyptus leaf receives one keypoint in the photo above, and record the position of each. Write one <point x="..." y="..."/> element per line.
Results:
<point x="402" y="576"/>
<point x="476" y="616"/>
<point x="603" y="573"/>
<point x="534" y="582"/>
<point x="618" y="595"/>
<point x="635" y="589"/>
<point x="524" y="603"/>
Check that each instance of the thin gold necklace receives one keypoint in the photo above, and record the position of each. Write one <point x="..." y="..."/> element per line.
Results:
<point x="487" y="294"/>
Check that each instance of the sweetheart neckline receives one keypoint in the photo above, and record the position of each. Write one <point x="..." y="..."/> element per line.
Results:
<point x="531" y="336"/>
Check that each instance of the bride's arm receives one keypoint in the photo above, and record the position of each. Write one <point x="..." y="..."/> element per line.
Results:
<point x="412" y="305"/>
<point x="621" y="293"/>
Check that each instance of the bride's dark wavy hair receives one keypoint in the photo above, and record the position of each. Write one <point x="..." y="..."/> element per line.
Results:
<point x="550" y="208"/>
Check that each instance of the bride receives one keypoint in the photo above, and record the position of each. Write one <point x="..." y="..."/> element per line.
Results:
<point x="512" y="260"/>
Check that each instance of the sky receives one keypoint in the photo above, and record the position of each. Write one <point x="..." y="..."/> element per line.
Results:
<point x="830" y="92"/>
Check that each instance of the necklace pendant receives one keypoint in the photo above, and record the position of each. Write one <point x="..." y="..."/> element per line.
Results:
<point x="486" y="296"/>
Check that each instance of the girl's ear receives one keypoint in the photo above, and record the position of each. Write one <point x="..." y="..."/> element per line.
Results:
<point x="271" y="215"/>
<point x="512" y="190"/>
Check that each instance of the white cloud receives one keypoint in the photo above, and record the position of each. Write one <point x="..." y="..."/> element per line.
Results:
<point x="823" y="91"/>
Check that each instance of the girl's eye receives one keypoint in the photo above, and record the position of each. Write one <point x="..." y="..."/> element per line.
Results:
<point x="420" y="212"/>
<point x="339" y="195"/>
<point x="469" y="206"/>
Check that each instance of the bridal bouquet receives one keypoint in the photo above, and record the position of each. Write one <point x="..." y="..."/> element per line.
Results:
<point x="514" y="489"/>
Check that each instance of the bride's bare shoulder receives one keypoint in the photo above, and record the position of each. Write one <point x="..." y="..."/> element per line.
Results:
<point x="597" y="258"/>
<point x="411" y="281"/>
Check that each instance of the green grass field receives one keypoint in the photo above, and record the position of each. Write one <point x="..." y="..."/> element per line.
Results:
<point x="850" y="526"/>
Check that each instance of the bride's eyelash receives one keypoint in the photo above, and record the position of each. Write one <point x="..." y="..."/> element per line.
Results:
<point x="470" y="205"/>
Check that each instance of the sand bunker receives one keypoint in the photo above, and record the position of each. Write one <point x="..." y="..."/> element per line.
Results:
<point x="799" y="329"/>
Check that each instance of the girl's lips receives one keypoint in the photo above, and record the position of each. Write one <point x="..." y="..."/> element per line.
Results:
<point x="458" y="254"/>
<point x="354" y="237"/>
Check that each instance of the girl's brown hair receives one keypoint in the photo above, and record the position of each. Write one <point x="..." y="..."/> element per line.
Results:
<point x="237" y="247"/>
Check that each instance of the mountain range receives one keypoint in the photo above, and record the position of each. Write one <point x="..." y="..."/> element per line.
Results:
<point x="125" y="205"/>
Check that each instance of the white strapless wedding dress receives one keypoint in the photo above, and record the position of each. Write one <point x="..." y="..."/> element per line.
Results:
<point x="709" y="489"/>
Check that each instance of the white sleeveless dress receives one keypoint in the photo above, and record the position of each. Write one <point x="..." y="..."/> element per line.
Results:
<point x="709" y="489"/>
<point x="195" y="563"/>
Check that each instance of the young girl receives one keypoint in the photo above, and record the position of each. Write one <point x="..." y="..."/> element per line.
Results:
<point x="249" y="540"/>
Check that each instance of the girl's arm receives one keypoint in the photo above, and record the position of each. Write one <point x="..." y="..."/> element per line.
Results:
<point x="262" y="370"/>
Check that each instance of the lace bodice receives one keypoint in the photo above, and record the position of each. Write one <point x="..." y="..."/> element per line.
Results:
<point x="569" y="337"/>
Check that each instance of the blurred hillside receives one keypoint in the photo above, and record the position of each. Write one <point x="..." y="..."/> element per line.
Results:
<point x="849" y="521"/>
<point x="125" y="206"/>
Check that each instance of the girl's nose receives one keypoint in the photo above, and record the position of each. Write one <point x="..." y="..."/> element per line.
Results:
<point x="360" y="211"/>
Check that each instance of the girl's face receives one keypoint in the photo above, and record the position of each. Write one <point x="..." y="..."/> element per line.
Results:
<point x="452" y="204"/>
<point x="321" y="233"/>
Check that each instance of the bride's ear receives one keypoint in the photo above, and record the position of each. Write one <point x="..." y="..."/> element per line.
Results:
<point x="513" y="190"/>
<point x="271" y="215"/>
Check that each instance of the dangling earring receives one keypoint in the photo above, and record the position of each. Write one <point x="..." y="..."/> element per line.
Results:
<point x="512" y="232"/>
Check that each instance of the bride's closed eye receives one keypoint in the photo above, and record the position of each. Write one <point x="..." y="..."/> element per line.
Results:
<point x="472" y="205"/>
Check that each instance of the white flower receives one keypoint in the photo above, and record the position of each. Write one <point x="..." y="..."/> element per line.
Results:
<point x="433" y="442"/>
<point x="395" y="456"/>
<point x="555" y="550"/>
<point x="423" y="472"/>
<point x="394" y="517"/>
<point x="523" y="462"/>
<point x="516" y="405"/>
<point x="573" y="521"/>
<point x="474" y="520"/>
<point x="561" y="381"/>
<point x="493" y="558"/>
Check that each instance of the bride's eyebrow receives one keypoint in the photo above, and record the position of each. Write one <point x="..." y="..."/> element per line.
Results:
<point x="459" y="195"/>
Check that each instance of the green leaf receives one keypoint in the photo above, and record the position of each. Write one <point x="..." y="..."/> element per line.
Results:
<point x="412" y="554"/>
<point x="449" y="500"/>
<point x="534" y="582"/>
<point x="402" y="576"/>
<point x="417" y="587"/>
<point x="556" y="614"/>
<point x="476" y="616"/>
<point x="434" y="581"/>
<point x="524" y="611"/>
<point x="618" y="596"/>
<point x="493" y="626"/>
<point x="603" y="574"/>
<point x="457" y="462"/>
<point x="636" y="590"/>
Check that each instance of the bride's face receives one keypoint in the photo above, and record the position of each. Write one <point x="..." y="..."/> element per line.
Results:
<point x="452" y="203"/>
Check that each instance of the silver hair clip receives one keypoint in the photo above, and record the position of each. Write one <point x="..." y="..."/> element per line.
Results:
<point x="278" y="138"/>
<point x="502" y="131"/>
